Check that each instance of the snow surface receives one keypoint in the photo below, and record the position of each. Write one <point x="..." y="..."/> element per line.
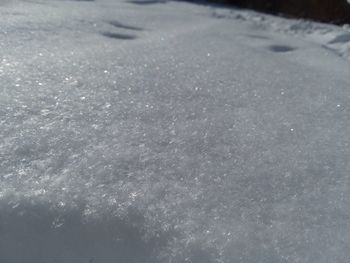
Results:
<point x="171" y="132"/>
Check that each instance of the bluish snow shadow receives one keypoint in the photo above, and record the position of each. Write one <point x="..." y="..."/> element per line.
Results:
<point x="39" y="233"/>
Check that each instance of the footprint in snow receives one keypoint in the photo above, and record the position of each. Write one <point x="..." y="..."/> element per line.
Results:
<point x="117" y="24"/>
<point x="146" y="2"/>
<point x="121" y="36"/>
<point x="118" y="36"/>
<point x="281" y="48"/>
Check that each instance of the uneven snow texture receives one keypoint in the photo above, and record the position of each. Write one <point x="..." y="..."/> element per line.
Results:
<point x="170" y="132"/>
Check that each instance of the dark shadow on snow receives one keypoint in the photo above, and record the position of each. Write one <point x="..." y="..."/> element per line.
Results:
<point x="118" y="36"/>
<point x="146" y="2"/>
<point x="124" y="26"/>
<point x="345" y="38"/>
<point x="41" y="233"/>
<point x="281" y="48"/>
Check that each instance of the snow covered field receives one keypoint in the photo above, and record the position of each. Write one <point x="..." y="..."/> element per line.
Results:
<point x="153" y="132"/>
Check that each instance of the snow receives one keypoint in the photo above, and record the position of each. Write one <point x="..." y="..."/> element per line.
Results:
<point x="171" y="132"/>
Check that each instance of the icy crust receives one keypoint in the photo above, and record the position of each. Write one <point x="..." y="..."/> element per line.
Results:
<point x="188" y="143"/>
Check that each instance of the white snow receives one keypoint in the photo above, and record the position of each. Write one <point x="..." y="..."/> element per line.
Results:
<point x="171" y="132"/>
